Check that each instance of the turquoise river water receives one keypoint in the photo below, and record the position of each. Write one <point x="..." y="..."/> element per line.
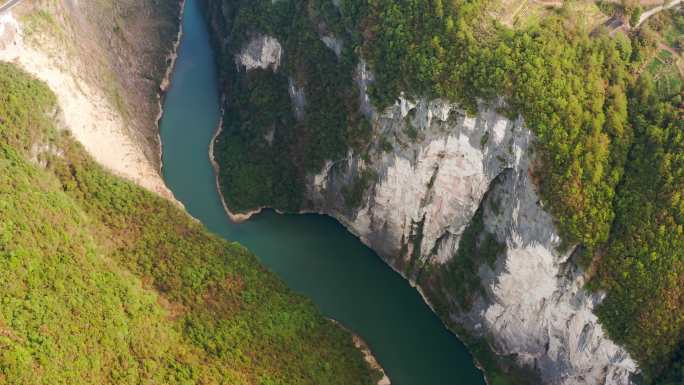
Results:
<point x="313" y="254"/>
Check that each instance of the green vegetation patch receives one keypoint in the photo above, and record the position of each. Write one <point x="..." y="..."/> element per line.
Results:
<point x="102" y="282"/>
<point x="569" y="88"/>
<point x="666" y="33"/>
<point x="666" y="75"/>
<point x="253" y="171"/>
<point x="258" y="105"/>
<point x="353" y="193"/>
<point x="574" y="91"/>
<point x="673" y="30"/>
<point x="39" y="23"/>
<point x="643" y="266"/>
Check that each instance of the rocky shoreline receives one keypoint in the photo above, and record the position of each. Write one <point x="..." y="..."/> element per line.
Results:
<point x="368" y="356"/>
<point x="234" y="217"/>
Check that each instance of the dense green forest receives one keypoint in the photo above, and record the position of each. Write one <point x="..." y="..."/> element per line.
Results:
<point x="254" y="172"/>
<point x="102" y="282"/>
<point x="642" y="267"/>
<point x="569" y="87"/>
<point x="609" y="139"/>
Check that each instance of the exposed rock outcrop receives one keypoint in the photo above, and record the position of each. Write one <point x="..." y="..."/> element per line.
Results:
<point x="261" y="52"/>
<point x="441" y="165"/>
<point x="333" y="43"/>
<point x="444" y="166"/>
<point x="298" y="100"/>
<point x="536" y="306"/>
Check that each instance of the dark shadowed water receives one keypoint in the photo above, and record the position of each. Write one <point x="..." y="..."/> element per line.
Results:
<point x="314" y="254"/>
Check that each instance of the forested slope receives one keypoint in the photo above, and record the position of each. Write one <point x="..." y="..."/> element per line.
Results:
<point x="642" y="267"/>
<point x="102" y="282"/>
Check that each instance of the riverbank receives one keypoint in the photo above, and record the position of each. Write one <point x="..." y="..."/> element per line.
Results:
<point x="239" y="218"/>
<point x="164" y="86"/>
<point x="234" y="217"/>
<point x="415" y="286"/>
<point x="368" y="356"/>
<point x="358" y="341"/>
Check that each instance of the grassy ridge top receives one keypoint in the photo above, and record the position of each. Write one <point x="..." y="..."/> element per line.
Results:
<point x="102" y="282"/>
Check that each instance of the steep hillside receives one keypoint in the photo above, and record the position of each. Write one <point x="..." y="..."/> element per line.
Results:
<point x="102" y="282"/>
<point x="492" y="167"/>
<point x="106" y="61"/>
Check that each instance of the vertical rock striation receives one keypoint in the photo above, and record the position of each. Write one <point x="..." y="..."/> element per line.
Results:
<point x="442" y="166"/>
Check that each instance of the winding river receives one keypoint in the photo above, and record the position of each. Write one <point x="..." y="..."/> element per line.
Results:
<point x="314" y="254"/>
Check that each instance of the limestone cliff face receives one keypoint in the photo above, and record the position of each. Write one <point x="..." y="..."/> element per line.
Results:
<point x="535" y="306"/>
<point x="441" y="167"/>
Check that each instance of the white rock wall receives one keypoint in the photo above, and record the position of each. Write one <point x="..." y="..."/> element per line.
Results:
<point x="441" y="178"/>
<point x="535" y="306"/>
<point x="298" y="98"/>
<point x="261" y="52"/>
<point x="333" y="43"/>
<point x="440" y="168"/>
